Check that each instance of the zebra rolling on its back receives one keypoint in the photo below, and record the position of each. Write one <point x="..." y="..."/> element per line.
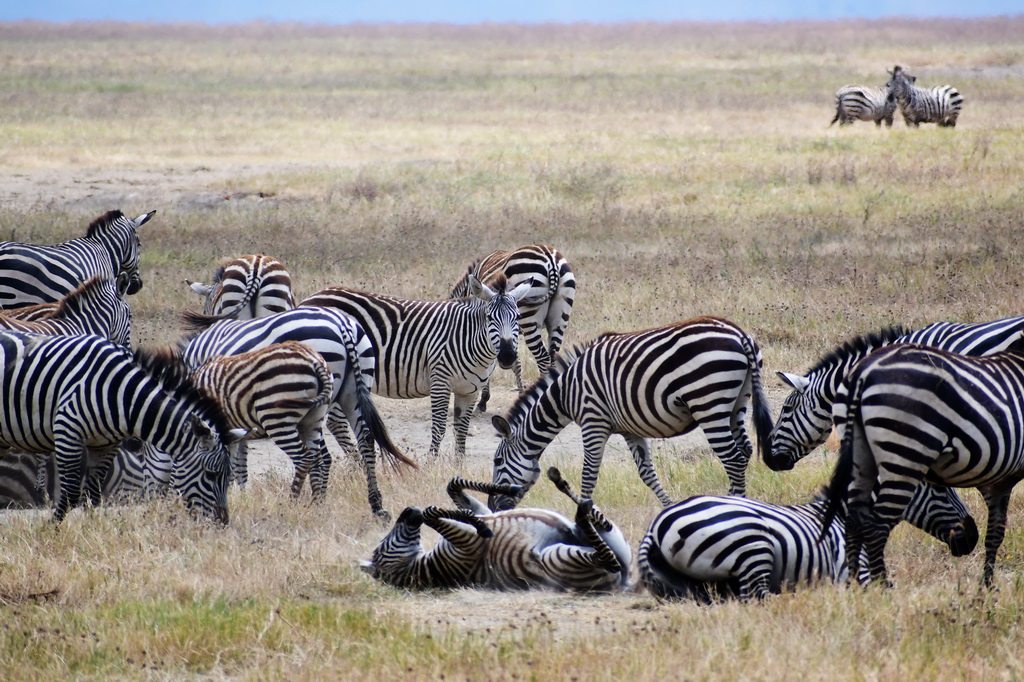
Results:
<point x="79" y="396"/>
<point x="708" y="547"/>
<point x="864" y="103"/>
<point x="346" y="348"/>
<point x="510" y="550"/>
<point x="940" y="105"/>
<point x="31" y="273"/>
<point x="911" y="412"/>
<point x="656" y="383"/>
<point x="435" y="348"/>
<point x="806" y="417"/>
<point x="247" y="287"/>
<point x="546" y="307"/>
<point x="96" y="307"/>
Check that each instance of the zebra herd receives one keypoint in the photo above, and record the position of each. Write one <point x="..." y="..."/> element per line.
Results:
<point x="918" y="412"/>
<point x="940" y="105"/>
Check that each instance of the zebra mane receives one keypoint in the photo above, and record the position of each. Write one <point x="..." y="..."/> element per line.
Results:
<point x="858" y="345"/>
<point x="165" y="366"/>
<point x="196" y="322"/>
<point x="73" y="301"/>
<point x="103" y="222"/>
<point x="527" y="398"/>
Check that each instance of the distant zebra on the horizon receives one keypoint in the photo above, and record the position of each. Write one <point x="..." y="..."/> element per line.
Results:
<point x="96" y="307"/>
<point x="546" y="307"/>
<point x="940" y="105"/>
<point x="247" y="287"/>
<point x="864" y="103"/>
<point x="656" y="383"/>
<point x="805" y="420"/>
<point x="33" y="273"/>
<point x="709" y="547"/>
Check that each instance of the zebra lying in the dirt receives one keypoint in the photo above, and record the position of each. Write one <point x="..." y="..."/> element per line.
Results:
<point x="508" y="550"/>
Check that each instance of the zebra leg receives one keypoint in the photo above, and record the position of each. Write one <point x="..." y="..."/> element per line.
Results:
<point x="463" y="414"/>
<point x="997" y="498"/>
<point x="320" y="471"/>
<point x="485" y="395"/>
<point x="597" y="517"/>
<point x="531" y="333"/>
<point x="602" y="556"/>
<point x="458" y="485"/>
<point x="349" y="409"/>
<point x="98" y="463"/>
<point x="439" y="395"/>
<point x="71" y="467"/>
<point x="595" y="438"/>
<point x="641" y="451"/>
<point x="239" y="459"/>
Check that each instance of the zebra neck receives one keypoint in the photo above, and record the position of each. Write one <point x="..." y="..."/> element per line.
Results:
<point x="112" y="241"/>
<point x="543" y="418"/>
<point x="158" y="420"/>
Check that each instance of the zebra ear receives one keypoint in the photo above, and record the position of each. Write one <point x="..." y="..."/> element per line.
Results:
<point x="235" y="435"/>
<point x="520" y="291"/>
<point x="480" y="290"/>
<point x="501" y="425"/>
<point x="143" y="218"/>
<point x="794" y="380"/>
<point x="199" y="287"/>
<point x="122" y="283"/>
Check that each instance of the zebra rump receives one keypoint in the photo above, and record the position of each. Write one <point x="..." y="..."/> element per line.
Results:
<point x="864" y="103"/>
<point x="246" y="288"/>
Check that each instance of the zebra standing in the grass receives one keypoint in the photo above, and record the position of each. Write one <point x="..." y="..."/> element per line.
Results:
<point x="510" y="550"/>
<point x="282" y="392"/>
<point x="247" y="287"/>
<point x="96" y="307"/>
<point x="81" y="395"/>
<point x="864" y="103"/>
<point x="940" y="105"/>
<point x="656" y="383"/>
<point x="546" y="307"/>
<point x="912" y="412"/>
<point x="806" y="417"/>
<point x="31" y="273"/>
<point x="707" y="547"/>
<point x="436" y="348"/>
<point x="347" y="350"/>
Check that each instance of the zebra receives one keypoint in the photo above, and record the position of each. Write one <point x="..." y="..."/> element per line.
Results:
<point x="708" y="547"/>
<point x="282" y="392"/>
<point x="656" y="383"/>
<point x="940" y="105"/>
<point x="805" y="420"/>
<point x="911" y="412"/>
<point x="547" y="306"/>
<point x="864" y="103"/>
<point x="81" y="395"/>
<point x="96" y="307"/>
<point x="517" y="549"/>
<point x="247" y="287"/>
<point x="436" y="348"/>
<point x="31" y="274"/>
<point x="347" y="350"/>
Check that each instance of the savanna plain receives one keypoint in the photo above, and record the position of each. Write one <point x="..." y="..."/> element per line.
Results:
<point x="683" y="169"/>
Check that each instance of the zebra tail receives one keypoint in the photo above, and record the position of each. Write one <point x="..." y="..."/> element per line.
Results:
<point x="663" y="582"/>
<point x="379" y="432"/>
<point x="761" y="413"/>
<point x="195" y="322"/>
<point x="843" y="474"/>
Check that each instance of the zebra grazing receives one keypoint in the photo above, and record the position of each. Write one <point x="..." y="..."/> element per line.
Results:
<point x="96" y="307"/>
<point x="247" y="287"/>
<point x="912" y="412"/>
<point x="31" y="274"/>
<point x="806" y="417"/>
<point x="710" y="547"/>
<point x="436" y="348"/>
<point x="517" y="549"/>
<point x="864" y="103"/>
<point x="347" y="350"/>
<point x="546" y="307"/>
<point x="657" y="383"/>
<point x="81" y="395"/>
<point x="940" y="105"/>
<point x="282" y="392"/>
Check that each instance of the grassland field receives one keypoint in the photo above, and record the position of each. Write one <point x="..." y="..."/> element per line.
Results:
<point x="684" y="169"/>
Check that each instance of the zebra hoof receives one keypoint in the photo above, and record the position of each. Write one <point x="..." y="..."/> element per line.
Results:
<point x="383" y="515"/>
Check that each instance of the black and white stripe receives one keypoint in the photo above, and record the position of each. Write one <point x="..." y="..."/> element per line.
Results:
<point x="940" y="104"/>
<point x="346" y="348"/>
<point x="864" y="103"/>
<point x="31" y="273"/>
<point x="96" y="307"/>
<point x="436" y="348"/>
<point x="708" y="547"/>
<point x="79" y="396"/>
<point x="546" y="307"/>
<point x="510" y="550"/>
<point x="913" y="412"/>
<point x="247" y="287"/>
<point x="806" y="417"/>
<point x="657" y="383"/>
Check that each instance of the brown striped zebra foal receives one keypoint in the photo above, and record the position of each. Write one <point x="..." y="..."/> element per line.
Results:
<point x="510" y="550"/>
<point x="246" y="288"/>
<point x="282" y="392"/>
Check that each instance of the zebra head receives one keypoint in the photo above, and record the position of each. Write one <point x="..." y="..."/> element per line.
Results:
<point x="502" y="316"/>
<point x="513" y="466"/>
<point x="899" y="82"/>
<point x="202" y="471"/>
<point x="940" y="512"/>
<point x="803" y="424"/>
<point x="119" y="235"/>
<point x="393" y="560"/>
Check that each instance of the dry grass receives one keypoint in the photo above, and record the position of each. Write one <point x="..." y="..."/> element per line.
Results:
<point x="683" y="169"/>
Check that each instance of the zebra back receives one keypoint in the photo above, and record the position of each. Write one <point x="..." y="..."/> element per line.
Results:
<point x="95" y="307"/>
<point x="864" y="103"/>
